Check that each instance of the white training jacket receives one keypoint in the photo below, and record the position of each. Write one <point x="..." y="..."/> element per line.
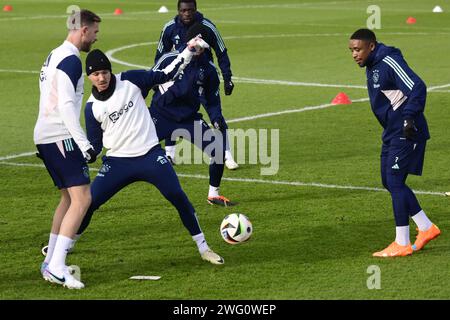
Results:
<point x="61" y="86"/>
<point x="120" y="120"/>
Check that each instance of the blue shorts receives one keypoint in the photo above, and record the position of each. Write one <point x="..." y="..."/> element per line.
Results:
<point x="402" y="156"/>
<point x="65" y="163"/>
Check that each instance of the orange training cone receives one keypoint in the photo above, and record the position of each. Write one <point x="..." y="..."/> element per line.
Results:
<point x="7" y="8"/>
<point x="118" y="11"/>
<point x="341" y="98"/>
<point x="411" y="20"/>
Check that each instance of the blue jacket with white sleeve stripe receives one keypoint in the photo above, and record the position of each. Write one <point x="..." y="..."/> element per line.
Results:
<point x="173" y="37"/>
<point x="396" y="93"/>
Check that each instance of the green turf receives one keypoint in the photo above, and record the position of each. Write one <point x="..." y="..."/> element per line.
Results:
<point x="309" y="242"/>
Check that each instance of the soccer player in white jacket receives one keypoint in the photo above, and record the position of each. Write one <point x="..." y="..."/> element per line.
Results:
<point x="118" y="119"/>
<point x="62" y="143"/>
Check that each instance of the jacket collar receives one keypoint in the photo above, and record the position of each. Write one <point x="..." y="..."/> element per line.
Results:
<point x="371" y="59"/>
<point x="70" y="46"/>
<point x="105" y="94"/>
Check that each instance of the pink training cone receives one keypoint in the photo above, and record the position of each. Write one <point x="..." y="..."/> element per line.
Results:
<point x="118" y="11"/>
<point x="411" y="20"/>
<point x="341" y="98"/>
<point x="7" y="8"/>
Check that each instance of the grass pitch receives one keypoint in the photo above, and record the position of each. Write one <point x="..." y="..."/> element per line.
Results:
<point x="312" y="239"/>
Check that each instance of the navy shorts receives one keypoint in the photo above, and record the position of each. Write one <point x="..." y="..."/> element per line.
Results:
<point x="402" y="156"/>
<point x="65" y="163"/>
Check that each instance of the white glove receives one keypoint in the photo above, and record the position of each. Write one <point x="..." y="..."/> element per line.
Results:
<point x="197" y="44"/>
<point x="185" y="57"/>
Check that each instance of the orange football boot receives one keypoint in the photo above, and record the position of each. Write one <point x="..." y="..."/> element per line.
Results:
<point x="423" y="237"/>
<point x="221" y="201"/>
<point x="395" y="250"/>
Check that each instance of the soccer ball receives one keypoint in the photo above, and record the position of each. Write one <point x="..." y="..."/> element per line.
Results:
<point x="236" y="228"/>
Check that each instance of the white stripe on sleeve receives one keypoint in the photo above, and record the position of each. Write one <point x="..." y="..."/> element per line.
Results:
<point x="219" y="38"/>
<point x="160" y="44"/>
<point x="399" y="71"/>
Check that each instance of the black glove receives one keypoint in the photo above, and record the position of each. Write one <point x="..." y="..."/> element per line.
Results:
<point x="409" y="129"/>
<point x="228" y="86"/>
<point x="220" y="124"/>
<point x="91" y="155"/>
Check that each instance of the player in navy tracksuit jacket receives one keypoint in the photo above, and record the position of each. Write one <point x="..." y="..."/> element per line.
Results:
<point x="173" y="37"/>
<point x="397" y="97"/>
<point x="175" y="105"/>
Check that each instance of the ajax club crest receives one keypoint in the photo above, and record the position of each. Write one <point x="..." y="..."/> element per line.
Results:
<point x="375" y="76"/>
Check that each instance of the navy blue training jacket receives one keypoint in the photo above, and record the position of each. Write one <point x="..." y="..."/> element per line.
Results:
<point x="173" y="37"/>
<point x="396" y="93"/>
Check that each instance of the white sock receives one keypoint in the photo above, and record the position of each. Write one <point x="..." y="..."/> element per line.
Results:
<point x="58" y="261"/>
<point x="170" y="151"/>
<point x="422" y="221"/>
<point x="51" y="247"/>
<point x="213" y="191"/>
<point x="402" y="235"/>
<point x="228" y="155"/>
<point x="201" y="242"/>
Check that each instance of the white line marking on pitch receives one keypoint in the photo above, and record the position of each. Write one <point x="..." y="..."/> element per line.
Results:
<point x="17" y="71"/>
<point x="439" y="87"/>
<point x="14" y="156"/>
<point x="295" y="83"/>
<point x="260" y="181"/>
<point x="272" y="114"/>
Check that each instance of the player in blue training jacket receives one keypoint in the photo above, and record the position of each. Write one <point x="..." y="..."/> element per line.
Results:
<point x="397" y="97"/>
<point x="117" y="118"/>
<point x="175" y="106"/>
<point x="173" y="37"/>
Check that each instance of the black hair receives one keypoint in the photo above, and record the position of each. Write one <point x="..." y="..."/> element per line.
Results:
<point x="187" y="1"/>
<point x="364" y="34"/>
<point x="199" y="29"/>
